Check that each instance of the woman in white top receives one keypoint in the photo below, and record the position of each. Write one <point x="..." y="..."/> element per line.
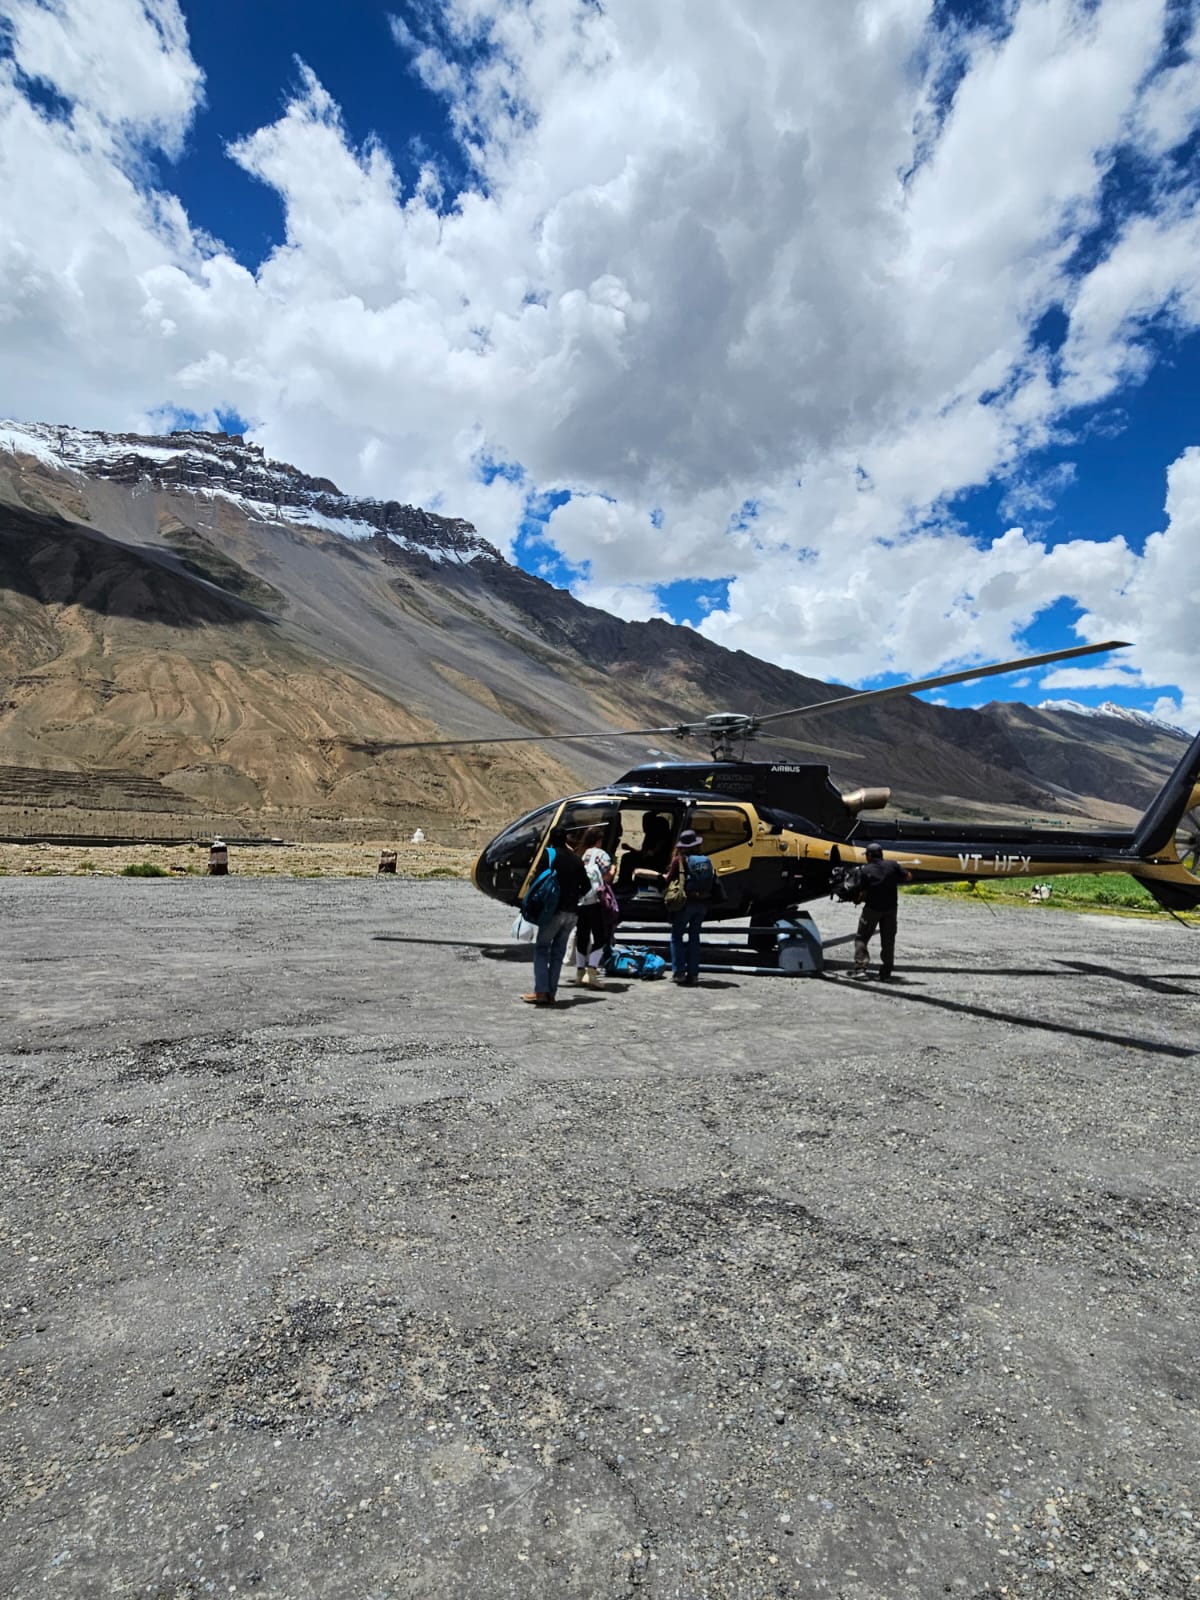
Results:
<point x="592" y="928"/>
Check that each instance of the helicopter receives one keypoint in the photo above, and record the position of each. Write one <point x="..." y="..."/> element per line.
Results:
<point x="780" y="833"/>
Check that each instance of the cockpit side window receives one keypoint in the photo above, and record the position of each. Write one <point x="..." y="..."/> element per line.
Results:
<point x="721" y="827"/>
<point x="581" y="815"/>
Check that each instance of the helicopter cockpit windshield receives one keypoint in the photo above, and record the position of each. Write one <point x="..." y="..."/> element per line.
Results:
<point x="504" y="865"/>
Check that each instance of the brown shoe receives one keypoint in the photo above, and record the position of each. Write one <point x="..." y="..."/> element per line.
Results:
<point x="538" y="999"/>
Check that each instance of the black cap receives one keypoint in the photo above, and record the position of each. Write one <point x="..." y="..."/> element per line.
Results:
<point x="874" y="852"/>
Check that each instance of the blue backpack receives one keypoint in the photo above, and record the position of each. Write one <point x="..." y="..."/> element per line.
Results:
<point x="633" y="961"/>
<point x="699" y="877"/>
<point x="541" y="902"/>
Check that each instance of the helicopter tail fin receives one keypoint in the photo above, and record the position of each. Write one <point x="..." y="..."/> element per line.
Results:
<point x="1172" y="827"/>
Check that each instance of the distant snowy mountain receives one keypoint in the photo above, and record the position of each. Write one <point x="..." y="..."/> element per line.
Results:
<point x="225" y="464"/>
<point x="1108" y="709"/>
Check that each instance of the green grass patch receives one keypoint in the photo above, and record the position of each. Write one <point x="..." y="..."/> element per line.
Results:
<point x="144" y="869"/>
<point x="1074" y="891"/>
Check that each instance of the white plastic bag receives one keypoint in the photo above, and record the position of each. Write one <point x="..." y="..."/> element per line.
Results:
<point x="525" y="931"/>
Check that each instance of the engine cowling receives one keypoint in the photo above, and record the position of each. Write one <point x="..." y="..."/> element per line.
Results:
<point x="866" y="800"/>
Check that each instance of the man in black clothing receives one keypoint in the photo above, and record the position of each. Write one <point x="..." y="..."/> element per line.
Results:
<point x="880" y="882"/>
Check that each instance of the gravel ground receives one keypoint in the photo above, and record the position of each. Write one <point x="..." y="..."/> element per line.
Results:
<point x="330" y="1270"/>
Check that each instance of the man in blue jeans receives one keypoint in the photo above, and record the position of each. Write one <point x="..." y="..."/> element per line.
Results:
<point x="554" y="932"/>
<point x="553" y="936"/>
<point x="686" y="923"/>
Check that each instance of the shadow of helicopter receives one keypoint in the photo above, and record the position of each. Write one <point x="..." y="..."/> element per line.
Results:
<point x="1166" y="984"/>
<point x="501" y="950"/>
<point x="900" y="991"/>
<point x="1159" y="985"/>
<point x="494" y="949"/>
<point x="497" y="950"/>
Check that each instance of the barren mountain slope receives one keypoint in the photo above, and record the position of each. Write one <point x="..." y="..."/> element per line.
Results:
<point x="1092" y="754"/>
<point x="240" y="646"/>
<point x="117" y="661"/>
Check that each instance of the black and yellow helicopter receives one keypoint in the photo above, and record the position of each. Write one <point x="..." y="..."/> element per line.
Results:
<point x="781" y="833"/>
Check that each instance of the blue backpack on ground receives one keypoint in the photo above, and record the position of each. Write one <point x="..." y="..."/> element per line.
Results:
<point x="542" y="899"/>
<point x="633" y="961"/>
<point x="699" y="877"/>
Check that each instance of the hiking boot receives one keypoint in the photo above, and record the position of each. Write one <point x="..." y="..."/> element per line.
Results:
<point x="538" y="999"/>
<point x="594" y="978"/>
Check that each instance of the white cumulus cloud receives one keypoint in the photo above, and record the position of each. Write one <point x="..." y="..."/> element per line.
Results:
<point x="756" y="282"/>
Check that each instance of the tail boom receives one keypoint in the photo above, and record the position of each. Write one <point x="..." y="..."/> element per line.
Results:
<point x="1155" y="840"/>
<point x="1154" y="835"/>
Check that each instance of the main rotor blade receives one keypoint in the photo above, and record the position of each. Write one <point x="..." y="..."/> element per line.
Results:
<point x="861" y="696"/>
<point x="818" y="749"/>
<point x="374" y="746"/>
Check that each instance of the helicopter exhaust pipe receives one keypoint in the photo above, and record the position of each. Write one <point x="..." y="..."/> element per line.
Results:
<point x="866" y="800"/>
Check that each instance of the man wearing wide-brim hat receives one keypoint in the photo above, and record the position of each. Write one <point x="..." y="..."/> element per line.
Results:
<point x="687" y="920"/>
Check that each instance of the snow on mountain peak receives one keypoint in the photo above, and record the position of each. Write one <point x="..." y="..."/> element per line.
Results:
<point x="226" y="464"/>
<point x="1110" y="709"/>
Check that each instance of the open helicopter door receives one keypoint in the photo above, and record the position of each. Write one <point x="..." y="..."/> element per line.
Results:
<point x="727" y="830"/>
<point x="639" y="834"/>
<point x="647" y="828"/>
<point x="592" y="811"/>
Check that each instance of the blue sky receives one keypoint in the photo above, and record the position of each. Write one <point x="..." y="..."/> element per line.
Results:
<point x="864" y="338"/>
<point x="249" y="54"/>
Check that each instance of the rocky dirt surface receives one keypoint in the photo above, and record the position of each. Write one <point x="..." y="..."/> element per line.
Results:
<point x="330" y="1270"/>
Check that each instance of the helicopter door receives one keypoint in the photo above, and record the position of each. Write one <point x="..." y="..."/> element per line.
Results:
<point x="728" y="842"/>
<point x="574" y="817"/>
<point x="645" y="840"/>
